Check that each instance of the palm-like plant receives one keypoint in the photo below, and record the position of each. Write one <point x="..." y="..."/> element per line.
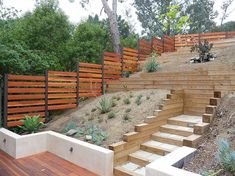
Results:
<point x="31" y="124"/>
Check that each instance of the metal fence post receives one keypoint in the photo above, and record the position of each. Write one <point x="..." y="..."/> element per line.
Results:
<point x="78" y="86"/>
<point x="1" y="108"/>
<point x="46" y="96"/>
<point x="5" y="101"/>
<point x="102" y="67"/>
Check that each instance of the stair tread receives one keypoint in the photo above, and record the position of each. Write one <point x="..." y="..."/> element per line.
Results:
<point x="160" y="145"/>
<point x="188" y="118"/>
<point x="132" y="168"/>
<point x="146" y="155"/>
<point x="170" y="136"/>
<point x="176" y="127"/>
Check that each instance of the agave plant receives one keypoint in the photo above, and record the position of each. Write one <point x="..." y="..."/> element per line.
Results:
<point x="105" y="105"/>
<point x="226" y="155"/>
<point x="152" y="64"/>
<point x="31" y="124"/>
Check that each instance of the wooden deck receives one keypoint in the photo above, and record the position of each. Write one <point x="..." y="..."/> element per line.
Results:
<point x="44" y="164"/>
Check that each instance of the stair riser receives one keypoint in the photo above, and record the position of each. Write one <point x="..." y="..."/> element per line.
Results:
<point x="214" y="101"/>
<point x="139" y="161"/>
<point x="180" y="123"/>
<point x="175" y="131"/>
<point x="207" y="118"/>
<point x="167" y="140"/>
<point x="153" y="150"/>
<point x="210" y="110"/>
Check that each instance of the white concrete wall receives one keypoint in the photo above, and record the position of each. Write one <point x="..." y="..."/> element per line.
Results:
<point x="94" y="158"/>
<point x="91" y="157"/>
<point x="165" y="166"/>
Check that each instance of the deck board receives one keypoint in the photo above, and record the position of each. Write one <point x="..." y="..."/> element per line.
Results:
<point x="43" y="164"/>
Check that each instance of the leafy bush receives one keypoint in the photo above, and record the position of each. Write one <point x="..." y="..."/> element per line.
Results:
<point x="105" y="105"/>
<point x="152" y="64"/>
<point x="226" y="156"/>
<point x="128" y="110"/>
<point x="138" y="100"/>
<point x="114" y="103"/>
<point x="31" y="124"/>
<point x="96" y="133"/>
<point x="111" y="115"/>
<point x="126" y="101"/>
<point x="93" y="109"/>
<point x="126" y="117"/>
<point x="69" y="126"/>
<point x="126" y="74"/>
<point x="203" y="49"/>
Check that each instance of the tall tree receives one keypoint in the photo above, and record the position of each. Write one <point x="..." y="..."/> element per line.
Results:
<point x="112" y="17"/>
<point x="201" y="14"/>
<point x="225" y="10"/>
<point x="150" y="13"/>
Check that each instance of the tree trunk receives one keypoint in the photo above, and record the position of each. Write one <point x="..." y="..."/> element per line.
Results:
<point x="112" y="16"/>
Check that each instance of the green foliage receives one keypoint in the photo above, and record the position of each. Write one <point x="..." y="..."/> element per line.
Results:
<point x="31" y="124"/>
<point x="201" y="15"/>
<point x="138" y="100"/>
<point x="126" y="101"/>
<point x="126" y="74"/>
<point x="203" y="49"/>
<point x="128" y="110"/>
<point x="126" y="117"/>
<point x="173" y="19"/>
<point x="105" y="105"/>
<point x="114" y="103"/>
<point x="226" y="156"/>
<point x="96" y="133"/>
<point x="111" y="115"/>
<point x="69" y="126"/>
<point x="89" y="41"/>
<point x="152" y="64"/>
<point x="93" y="109"/>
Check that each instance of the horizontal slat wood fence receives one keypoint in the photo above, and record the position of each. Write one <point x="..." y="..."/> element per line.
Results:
<point x="112" y="66"/>
<point x="24" y="95"/>
<point x="62" y="90"/>
<point x="145" y="49"/>
<point x="130" y="60"/>
<point x="90" y="80"/>
<point x="188" y="40"/>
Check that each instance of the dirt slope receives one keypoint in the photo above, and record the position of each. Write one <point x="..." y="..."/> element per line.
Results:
<point x="116" y="126"/>
<point x="223" y="126"/>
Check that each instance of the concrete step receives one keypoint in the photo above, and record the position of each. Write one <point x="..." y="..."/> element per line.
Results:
<point x="178" y="130"/>
<point x="168" y="138"/>
<point x="143" y="158"/>
<point x="129" y="169"/>
<point x="158" y="147"/>
<point x="185" y="120"/>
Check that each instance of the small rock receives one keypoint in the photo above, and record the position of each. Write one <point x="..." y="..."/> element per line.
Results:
<point x="88" y="137"/>
<point x="71" y="132"/>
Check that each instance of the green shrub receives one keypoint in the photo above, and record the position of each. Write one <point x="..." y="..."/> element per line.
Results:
<point x="128" y="110"/>
<point x="111" y="115"/>
<point x="96" y="133"/>
<point x="152" y="64"/>
<point x="126" y="117"/>
<point x="31" y="124"/>
<point x="93" y="109"/>
<point x="114" y="103"/>
<point x="105" y="105"/>
<point x="226" y="156"/>
<point x="126" y="74"/>
<point x="138" y="100"/>
<point x="126" y="101"/>
<point x="118" y="98"/>
<point x="69" y="126"/>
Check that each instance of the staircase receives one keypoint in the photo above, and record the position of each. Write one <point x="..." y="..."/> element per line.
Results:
<point x="161" y="134"/>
